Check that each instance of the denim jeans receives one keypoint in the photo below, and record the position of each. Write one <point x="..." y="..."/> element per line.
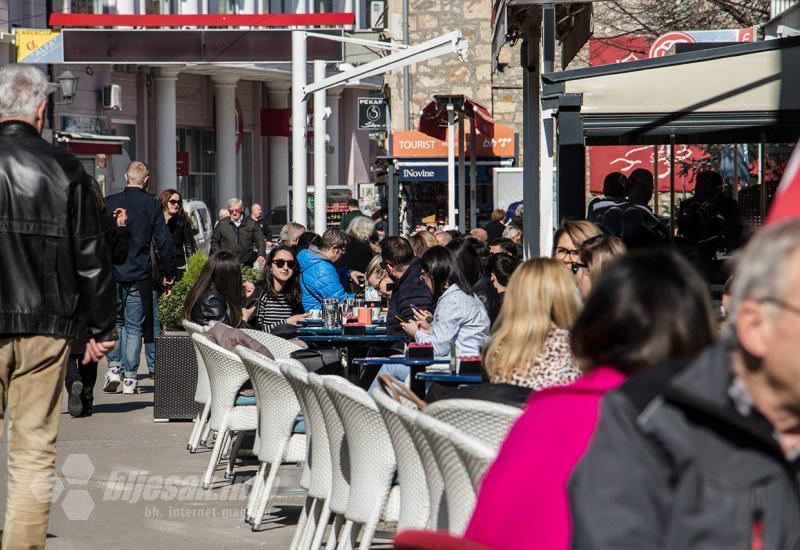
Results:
<point x="130" y="321"/>
<point x="150" y="349"/>
<point x="401" y="372"/>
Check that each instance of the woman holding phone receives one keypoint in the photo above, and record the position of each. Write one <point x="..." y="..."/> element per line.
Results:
<point x="460" y="321"/>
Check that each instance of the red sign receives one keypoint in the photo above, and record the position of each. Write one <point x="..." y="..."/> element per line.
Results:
<point x="415" y="144"/>
<point x="276" y="122"/>
<point x="182" y="163"/>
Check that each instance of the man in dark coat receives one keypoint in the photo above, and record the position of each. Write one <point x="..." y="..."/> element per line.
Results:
<point x="239" y="234"/>
<point x="708" y="457"/>
<point x="56" y="268"/>
<point x="404" y="270"/>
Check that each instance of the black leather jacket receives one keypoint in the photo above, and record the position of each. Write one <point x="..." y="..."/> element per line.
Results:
<point x="56" y="263"/>
<point x="210" y="306"/>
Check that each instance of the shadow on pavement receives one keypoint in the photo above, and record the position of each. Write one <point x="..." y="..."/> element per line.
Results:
<point x="121" y="407"/>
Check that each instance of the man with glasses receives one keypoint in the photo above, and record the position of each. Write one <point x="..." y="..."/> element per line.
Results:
<point x="409" y="290"/>
<point x="240" y="235"/>
<point x="319" y="279"/>
<point x="707" y="455"/>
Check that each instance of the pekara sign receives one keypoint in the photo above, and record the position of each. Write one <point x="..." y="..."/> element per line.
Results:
<point x="415" y="144"/>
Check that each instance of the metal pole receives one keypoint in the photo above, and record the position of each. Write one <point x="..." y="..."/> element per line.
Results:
<point x="451" y="166"/>
<point x="655" y="180"/>
<point x="762" y="189"/>
<point x="672" y="189"/>
<point x="473" y="176"/>
<point x="320" y="183"/>
<point x="532" y="144"/>
<point x="299" y="159"/>
<point x="462" y="176"/>
<point x="735" y="190"/>
<point x="406" y="74"/>
<point x="392" y="202"/>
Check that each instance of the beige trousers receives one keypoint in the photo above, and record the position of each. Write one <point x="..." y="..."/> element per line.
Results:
<point x="31" y="379"/>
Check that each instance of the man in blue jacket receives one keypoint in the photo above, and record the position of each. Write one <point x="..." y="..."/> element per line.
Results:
<point x="135" y="277"/>
<point x="319" y="278"/>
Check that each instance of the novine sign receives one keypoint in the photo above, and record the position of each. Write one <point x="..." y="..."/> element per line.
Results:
<point x="423" y="173"/>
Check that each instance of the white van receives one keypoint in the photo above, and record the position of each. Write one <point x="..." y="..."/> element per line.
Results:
<point x="202" y="226"/>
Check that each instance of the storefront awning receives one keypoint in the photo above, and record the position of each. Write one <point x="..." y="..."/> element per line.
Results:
<point x="433" y="118"/>
<point x="91" y="144"/>
<point x="731" y="94"/>
<point x="414" y="144"/>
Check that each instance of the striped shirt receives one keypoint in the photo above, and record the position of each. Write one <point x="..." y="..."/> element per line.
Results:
<point x="272" y="311"/>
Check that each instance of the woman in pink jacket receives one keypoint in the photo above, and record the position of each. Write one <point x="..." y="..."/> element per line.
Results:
<point x="646" y="307"/>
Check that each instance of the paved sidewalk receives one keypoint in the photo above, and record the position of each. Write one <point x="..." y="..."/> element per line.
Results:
<point x="126" y="482"/>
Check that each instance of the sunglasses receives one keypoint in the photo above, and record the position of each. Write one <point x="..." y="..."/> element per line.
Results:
<point x="174" y="202"/>
<point x="291" y="264"/>
<point x="234" y="210"/>
<point x="576" y="266"/>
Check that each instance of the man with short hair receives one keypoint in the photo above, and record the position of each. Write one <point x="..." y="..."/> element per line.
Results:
<point x="613" y="194"/>
<point x="240" y="235"/>
<point x="56" y="268"/>
<point x="707" y="455"/>
<point x="494" y="229"/>
<point x="319" y="279"/>
<point x="135" y="313"/>
<point x="290" y="233"/>
<point x="481" y="234"/>
<point x="640" y="226"/>
<point x="404" y="270"/>
<point x="443" y="238"/>
<point x="353" y="213"/>
<point x="256" y="214"/>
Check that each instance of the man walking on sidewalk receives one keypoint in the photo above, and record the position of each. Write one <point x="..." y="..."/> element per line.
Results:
<point x="135" y="277"/>
<point x="56" y="266"/>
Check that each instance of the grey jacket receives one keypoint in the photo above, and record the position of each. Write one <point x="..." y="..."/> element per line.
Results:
<point x="673" y="464"/>
<point x="239" y="240"/>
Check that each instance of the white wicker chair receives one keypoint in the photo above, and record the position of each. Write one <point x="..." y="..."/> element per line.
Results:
<point x="277" y="346"/>
<point x="279" y="442"/>
<point x="339" y="455"/>
<point x="226" y="374"/>
<point x="485" y="421"/>
<point x="316" y="511"/>
<point x="458" y="489"/>
<point x="202" y="392"/>
<point x="415" y="503"/>
<point x="489" y="422"/>
<point x="437" y="507"/>
<point x="372" y="462"/>
<point x="476" y="456"/>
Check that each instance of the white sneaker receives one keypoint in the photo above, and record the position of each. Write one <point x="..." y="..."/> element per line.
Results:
<point x="129" y="385"/>
<point x="112" y="380"/>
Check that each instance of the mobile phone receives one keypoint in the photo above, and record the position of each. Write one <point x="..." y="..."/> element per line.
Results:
<point x="400" y="319"/>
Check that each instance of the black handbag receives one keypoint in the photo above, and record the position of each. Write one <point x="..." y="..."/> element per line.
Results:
<point x="320" y="361"/>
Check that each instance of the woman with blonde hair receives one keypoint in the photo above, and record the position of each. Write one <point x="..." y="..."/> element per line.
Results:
<point x="530" y="344"/>
<point x="594" y="253"/>
<point x="569" y="237"/>
<point x="359" y="251"/>
<point x="421" y="241"/>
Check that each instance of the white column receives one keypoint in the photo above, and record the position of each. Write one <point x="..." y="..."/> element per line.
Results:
<point x="225" y="123"/>
<point x="451" y="167"/>
<point x="166" y="130"/>
<point x="334" y="98"/>
<point x="278" y="152"/>
<point x="299" y="159"/>
<point x="320" y="187"/>
<point x="126" y="7"/>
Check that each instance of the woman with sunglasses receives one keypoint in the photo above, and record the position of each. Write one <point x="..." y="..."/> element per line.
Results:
<point x="280" y="302"/>
<point x="180" y="228"/>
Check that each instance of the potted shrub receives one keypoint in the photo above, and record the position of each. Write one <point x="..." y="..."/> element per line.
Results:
<point x="176" y="363"/>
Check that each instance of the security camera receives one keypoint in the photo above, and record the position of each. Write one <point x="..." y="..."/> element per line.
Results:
<point x="327" y="114"/>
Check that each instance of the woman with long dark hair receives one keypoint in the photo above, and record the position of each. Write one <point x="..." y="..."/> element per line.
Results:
<point x="459" y="321"/>
<point x="180" y="229"/>
<point x="280" y="301"/>
<point x="646" y="308"/>
<point x="217" y="294"/>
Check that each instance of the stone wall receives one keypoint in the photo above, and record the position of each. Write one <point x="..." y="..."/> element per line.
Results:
<point x="501" y="93"/>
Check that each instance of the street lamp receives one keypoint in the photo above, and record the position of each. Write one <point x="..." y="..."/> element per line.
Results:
<point x="68" y="84"/>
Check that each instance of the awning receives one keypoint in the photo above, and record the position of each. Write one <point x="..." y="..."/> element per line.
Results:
<point x="91" y="144"/>
<point x="732" y="94"/>
<point x="433" y="118"/>
<point x="411" y="144"/>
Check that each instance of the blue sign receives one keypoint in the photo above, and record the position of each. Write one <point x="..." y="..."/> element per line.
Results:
<point x="423" y="173"/>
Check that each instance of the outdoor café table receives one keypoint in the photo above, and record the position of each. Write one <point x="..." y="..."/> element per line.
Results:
<point x="349" y="344"/>
<point x="417" y="366"/>
<point x="322" y="331"/>
<point x="450" y="379"/>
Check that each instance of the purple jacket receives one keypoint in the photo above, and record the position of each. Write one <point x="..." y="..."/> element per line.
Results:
<point x="523" y="501"/>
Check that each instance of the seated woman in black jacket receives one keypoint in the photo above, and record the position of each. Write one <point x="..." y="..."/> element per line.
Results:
<point x="280" y="302"/>
<point x="217" y="294"/>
